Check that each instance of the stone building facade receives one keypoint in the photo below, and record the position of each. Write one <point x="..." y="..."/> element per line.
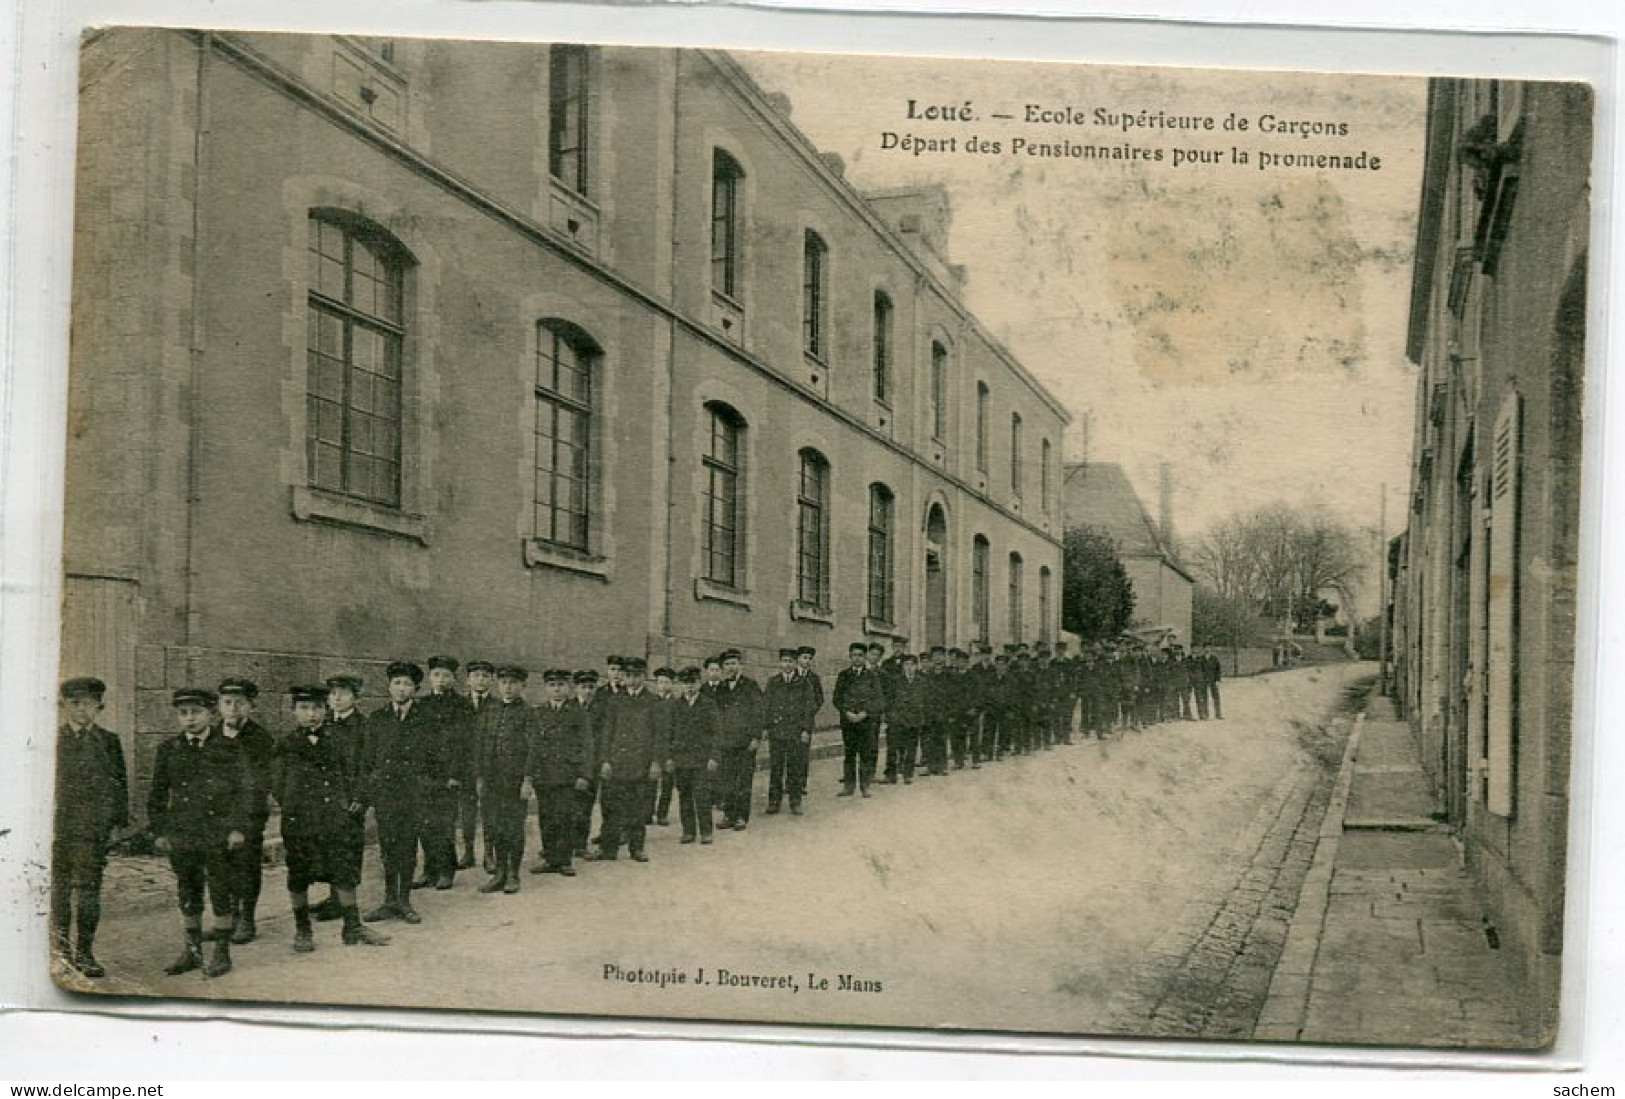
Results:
<point x="530" y="352"/>
<point x="1485" y="575"/>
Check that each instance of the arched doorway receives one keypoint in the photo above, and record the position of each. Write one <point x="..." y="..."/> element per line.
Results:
<point x="936" y="576"/>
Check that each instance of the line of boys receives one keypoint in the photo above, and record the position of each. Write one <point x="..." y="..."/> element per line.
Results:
<point x="428" y="763"/>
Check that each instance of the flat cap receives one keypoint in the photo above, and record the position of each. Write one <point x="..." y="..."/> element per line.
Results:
<point x="690" y="674"/>
<point x="406" y="668"/>
<point x="512" y="671"/>
<point x="195" y="696"/>
<point x="806" y="650"/>
<point x="351" y="683"/>
<point x="481" y="666"/>
<point x="787" y="654"/>
<point x="732" y="654"/>
<point x="237" y="685"/>
<point x="308" y="693"/>
<point x="556" y="675"/>
<point x="83" y="685"/>
<point x="664" y="672"/>
<point x="447" y="662"/>
<point x="586" y="676"/>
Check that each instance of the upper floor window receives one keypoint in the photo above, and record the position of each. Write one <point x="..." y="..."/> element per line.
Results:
<point x="981" y="426"/>
<point x="812" y="530"/>
<point x="566" y="360"/>
<point x="939" y="391"/>
<point x="979" y="564"/>
<point x="724" y="470"/>
<point x="567" y="116"/>
<point x="1015" y="454"/>
<point x="814" y="294"/>
<point x="882" y="341"/>
<point x="881" y="598"/>
<point x="725" y="179"/>
<point x="1044" y="476"/>
<point x="355" y="333"/>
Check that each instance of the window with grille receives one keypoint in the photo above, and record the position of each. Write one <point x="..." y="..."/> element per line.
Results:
<point x="812" y="534"/>
<point x="880" y="553"/>
<point x="567" y="116"/>
<point x="725" y="180"/>
<point x="883" y="350"/>
<point x="566" y="360"/>
<point x="353" y="344"/>
<point x="723" y="471"/>
<point x="980" y="554"/>
<point x="814" y="294"/>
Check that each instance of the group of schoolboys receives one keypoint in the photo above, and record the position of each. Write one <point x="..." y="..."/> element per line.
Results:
<point x="431" y="764"/>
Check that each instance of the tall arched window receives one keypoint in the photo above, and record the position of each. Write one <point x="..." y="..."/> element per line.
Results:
<point x="814" y="295"/>
<point x="881" y="513"/>
<point x="725" y="179"/>
<point x="1015" y="597"/>
<point x="982" y="398"/>
<point x="355" y="333"/>
<point x="980" y="562"/>
<point x="724" y="513"/>
<point x="883" y="341"/>
<point x="567" y="116"/>
<point x="812" y="530"/>
<point x="566" y="360"/>
<point x="939" y="391"/>
<point x="1043" y="603"/>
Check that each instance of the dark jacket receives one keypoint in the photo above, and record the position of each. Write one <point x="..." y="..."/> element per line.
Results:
<point x="315" y="784"/>
<point x="784" y="708"/>
<point x="911" y="701"/>
<point x="631" y="735"/>
<point x="860" y="690"/>
<point x="260" y="746"/>
<point x="199" y="796"/>
<point x="454" y="716"/>
<point x="476" y="750"/>
<point x="410" y="759"/>
<point x="92" y="786"/>
<point x="814" y="686"/>
<point x="561" y="747"/>
<point x="693" y="731"/>
<point x="506" y="732"/>
<point x="739" y="713"/>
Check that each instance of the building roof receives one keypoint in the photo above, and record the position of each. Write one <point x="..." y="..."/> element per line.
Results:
<point x="1098" y="494"/>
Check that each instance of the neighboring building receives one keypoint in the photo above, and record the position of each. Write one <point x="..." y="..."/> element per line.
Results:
<point x="1484" y="599"/>
<point x="1098" y="494"/>
<point x="529" y="352"/>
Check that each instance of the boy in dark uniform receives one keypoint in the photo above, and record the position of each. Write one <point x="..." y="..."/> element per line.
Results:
<point x="92" y="801"/>
<point x="960" y="701"/>
<point x="694" y="755"/>
<point x="320" y="776"/>
<point x="200" y="808"/>
<point x="560" y="769"/>
<point x="453" y="719"/>
<point x="907" y="716"/>
<point x="237" y="697"/>
<point x="813" y="703"/>
<point x="660" y="788"/>
<point x="507" y="729"/>
<point x="411" y="765"/>
<point x="740" y="728"/>
<point x="347" y="723"/>
<point x="631" y="750"/>
<point x="481" y="673"/>
<point x="860" y="699"/>
<point x="585" y="683"/>
<point x="784" y="705"/>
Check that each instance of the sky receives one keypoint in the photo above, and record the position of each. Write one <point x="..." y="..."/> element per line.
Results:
<point x="1245" y="325"/>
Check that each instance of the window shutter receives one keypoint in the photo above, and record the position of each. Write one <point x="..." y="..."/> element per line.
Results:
<point x="1503" y="610"/>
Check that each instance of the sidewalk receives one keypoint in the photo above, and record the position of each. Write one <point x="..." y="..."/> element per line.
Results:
<point x="1390" y="944"/>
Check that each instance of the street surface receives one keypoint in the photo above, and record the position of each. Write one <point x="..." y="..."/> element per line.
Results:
<point x="1141" y="885"/>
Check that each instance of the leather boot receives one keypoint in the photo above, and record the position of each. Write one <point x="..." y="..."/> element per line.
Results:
<point x="498" y="879"/>
<point x="358" y="933"/>
<point x="243" y="929"/>
<point x="191" y="956"/>
<point x="220" y="963"/>
<point x="511" y="885"/>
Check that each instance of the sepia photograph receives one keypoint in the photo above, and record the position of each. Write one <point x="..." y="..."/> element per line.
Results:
<point x="863" y="541"/>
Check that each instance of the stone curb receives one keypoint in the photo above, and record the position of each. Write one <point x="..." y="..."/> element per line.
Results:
<point x="1286" y="1007"/>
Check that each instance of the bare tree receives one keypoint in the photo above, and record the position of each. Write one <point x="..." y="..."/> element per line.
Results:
<point x="1279" y="558"/>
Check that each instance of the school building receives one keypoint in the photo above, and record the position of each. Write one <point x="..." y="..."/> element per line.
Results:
<point x="528" y="352"/>
<point x="1484" y="593"/>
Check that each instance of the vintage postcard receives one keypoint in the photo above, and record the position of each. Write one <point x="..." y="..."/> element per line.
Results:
<point x="687" y="534"/>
